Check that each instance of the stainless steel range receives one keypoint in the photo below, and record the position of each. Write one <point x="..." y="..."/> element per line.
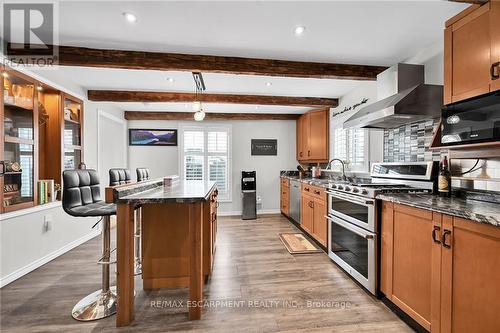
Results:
<point x="353" y="214"/>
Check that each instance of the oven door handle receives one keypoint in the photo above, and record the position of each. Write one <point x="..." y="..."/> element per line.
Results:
<point x="350" y="227"/>
<point x="351" y="198"/>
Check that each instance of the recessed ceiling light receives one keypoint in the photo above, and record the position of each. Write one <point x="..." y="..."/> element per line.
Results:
<point x="130" y="17"/>
<point x="299" y="30"/>
<point x="256" y="107"/>
<point x="269" y="84"/>
<point x="171" y="80"/>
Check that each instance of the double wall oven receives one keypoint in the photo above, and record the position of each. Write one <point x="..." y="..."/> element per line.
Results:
<point x="352" y="236"/>
<point x="353" y="214"/>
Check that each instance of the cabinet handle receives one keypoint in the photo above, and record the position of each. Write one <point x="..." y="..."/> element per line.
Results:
<point x="317" y="192"/>
<point x="311" y="204"/>
<point x="300" y="154"/>
<point x="308" y="153"/>
<point x="494" y="71"/>
<point x="436" y="229"/>
<point x="443" y="239"/>
<point x="306" y="189"/>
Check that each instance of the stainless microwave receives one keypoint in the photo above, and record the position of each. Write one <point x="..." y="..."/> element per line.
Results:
<point x="471" y="121"/>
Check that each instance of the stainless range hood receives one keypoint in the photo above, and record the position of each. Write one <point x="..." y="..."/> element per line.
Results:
<point x="403" y="98"/>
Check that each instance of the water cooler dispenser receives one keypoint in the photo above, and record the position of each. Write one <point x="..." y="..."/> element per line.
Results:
<point x="249" y="194"/>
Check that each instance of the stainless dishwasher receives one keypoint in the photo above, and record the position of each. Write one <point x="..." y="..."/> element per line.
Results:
<point x="295" y="200"/>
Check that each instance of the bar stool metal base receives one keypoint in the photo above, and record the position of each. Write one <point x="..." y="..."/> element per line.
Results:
<point x="95" y="306"/>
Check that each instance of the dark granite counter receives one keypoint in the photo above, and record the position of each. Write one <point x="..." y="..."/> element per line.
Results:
<point x="155" y="192"/>
<point x="478" y="211"/>
<point x="320" y="182"/>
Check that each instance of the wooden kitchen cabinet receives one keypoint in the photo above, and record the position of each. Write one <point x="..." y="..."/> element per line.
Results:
<point x="495" y="44"/>
<point x="318" y="135"/>
<point x="307" y="213"/>
<point x="303" y="134"/>
<point x="285" y="196"/>
<point x="471" y="53"/>
<point x="312" y="136"/>
<point x="440" y="270"/>
<point x="319" y="221"/>
<point x="408" y="251"/>
<point x="210" y="233"/>
<point x="470" y="291"/>
<point x="313" y="212"/>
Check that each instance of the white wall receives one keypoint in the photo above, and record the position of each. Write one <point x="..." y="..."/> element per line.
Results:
<point x="432" y="58"/>
<point x="164" y="160"/>
<point x="105" y="139"/>
<point x="25" y="245"/>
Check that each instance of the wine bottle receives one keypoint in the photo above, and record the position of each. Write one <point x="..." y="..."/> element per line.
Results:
<point x="444" y="179"/>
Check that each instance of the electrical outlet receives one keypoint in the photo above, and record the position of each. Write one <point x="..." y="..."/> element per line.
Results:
<point x="259" y="199"/>
<point x="47" y="223"/>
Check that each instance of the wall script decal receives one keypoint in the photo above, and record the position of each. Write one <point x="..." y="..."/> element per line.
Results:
<point x="353" y="107"/>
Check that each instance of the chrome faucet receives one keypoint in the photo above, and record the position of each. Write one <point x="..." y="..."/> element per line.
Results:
<point x="344" y="178"/>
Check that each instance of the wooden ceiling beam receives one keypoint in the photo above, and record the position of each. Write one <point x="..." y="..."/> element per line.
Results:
<point x="139" y="60"/>
<point x="474" y="2"/>
<point x="150" y="96"/>
<point x="160" y="115"/>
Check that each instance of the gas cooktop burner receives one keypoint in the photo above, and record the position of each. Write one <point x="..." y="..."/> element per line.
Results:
<point x="373" y="189"/>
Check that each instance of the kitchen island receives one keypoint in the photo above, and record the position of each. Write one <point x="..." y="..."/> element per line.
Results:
<point x="175" y="234"/>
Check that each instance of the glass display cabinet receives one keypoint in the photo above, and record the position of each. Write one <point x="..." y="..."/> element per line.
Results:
<point x="18" y="151"/>
<point x="72" y="132"/>
<point x="41" y="134"/>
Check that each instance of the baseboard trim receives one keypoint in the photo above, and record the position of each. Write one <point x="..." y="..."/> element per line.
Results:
<point x="49" y="257"/>
<point x="259" y="212"/>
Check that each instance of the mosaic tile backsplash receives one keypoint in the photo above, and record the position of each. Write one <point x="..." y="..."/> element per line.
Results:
<point x="409" y="143"/>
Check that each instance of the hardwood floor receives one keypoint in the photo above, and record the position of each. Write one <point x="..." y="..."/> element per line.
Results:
<point x="252" y="270"/>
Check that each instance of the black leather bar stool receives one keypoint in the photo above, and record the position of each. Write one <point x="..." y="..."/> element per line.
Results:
<point x="120" y="176"/>
<point x="82" y="198"/>
<point x="142" y="174"/>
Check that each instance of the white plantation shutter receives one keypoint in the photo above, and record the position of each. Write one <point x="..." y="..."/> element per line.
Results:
<point x="206" y="155"/>
<point x="217" y="145"/>
<point x="217" y="142"/>
<point x="217" y="172"/>
<point x="350" y="145"/>
<point x="194" y="142"/>
<point x="340" y="144"/>
<point x="357" y="148"/>
<point x="193" y="167"/>
<point x="194" y="147"/>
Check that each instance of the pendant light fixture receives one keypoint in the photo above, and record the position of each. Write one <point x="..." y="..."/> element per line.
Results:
<point x="199" y="114"/>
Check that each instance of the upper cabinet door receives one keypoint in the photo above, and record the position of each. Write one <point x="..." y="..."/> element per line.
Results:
<point x="306" y="132"/>
<point x="300" y="151"/>
<point x="468" y="56"/>
<point x="495" y="45"/>
<point x="318" y="141"/>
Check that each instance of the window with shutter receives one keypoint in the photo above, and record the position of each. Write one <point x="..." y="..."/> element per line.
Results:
<point x="350" y="145"/>
<point x="205" y="155"/>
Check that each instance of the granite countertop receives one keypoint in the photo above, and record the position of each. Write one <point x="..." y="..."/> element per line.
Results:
<point x="478" y="211"/>
<point x="311" y="181"/>
<point x="154" y="192"/>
